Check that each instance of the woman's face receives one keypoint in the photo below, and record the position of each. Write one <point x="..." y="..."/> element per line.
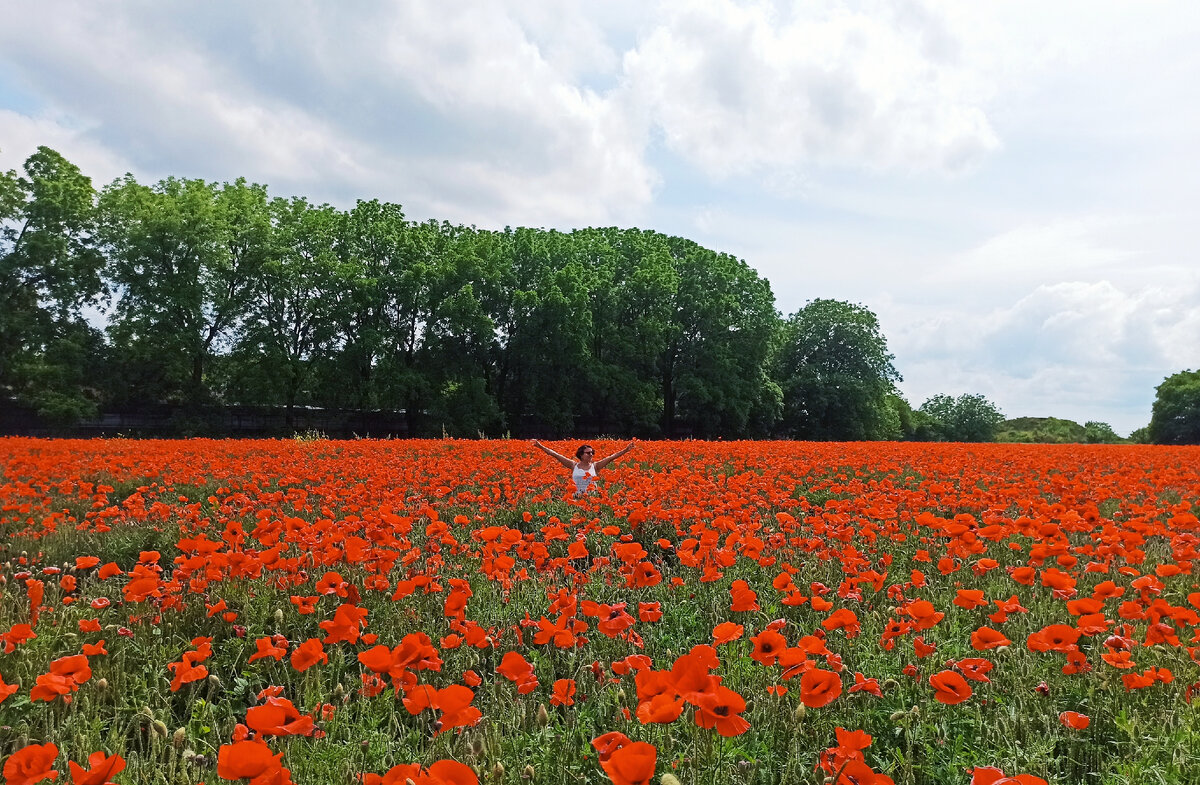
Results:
<point x="586" y="454"/>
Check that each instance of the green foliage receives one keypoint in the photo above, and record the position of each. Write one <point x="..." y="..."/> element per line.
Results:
<point x="836" y="375"/>
<point x="967" y="418"/>
<point x="1175" y="415"/>
<point x="49" y="270"/>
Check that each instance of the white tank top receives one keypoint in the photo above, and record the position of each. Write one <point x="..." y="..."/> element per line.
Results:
<point x="583" y="477"/>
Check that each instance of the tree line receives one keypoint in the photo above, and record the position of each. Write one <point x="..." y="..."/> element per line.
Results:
<point x="202" y="295"/>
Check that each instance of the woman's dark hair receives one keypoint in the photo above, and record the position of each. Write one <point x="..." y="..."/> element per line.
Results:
<point x="579" y="452"/>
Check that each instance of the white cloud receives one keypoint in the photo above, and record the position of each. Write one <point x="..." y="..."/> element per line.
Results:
<point x="1082" y="350"/>
<point x="741" y="87"/>
<point x="453" y="111"/>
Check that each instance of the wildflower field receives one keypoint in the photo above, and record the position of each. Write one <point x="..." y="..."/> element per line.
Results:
<point x="446" y="612"/>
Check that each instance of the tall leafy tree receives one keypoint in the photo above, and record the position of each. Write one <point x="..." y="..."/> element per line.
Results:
<point x="185" y="257"/>
<point x="836" y="374"/>
<point x="967" y="418"/>
<point x="291" y="319"/>
<point x="49" y="269"/>
<point x="713" y="364"/>
<point x="630" y="280"/>
<point x="1175" y="414"/>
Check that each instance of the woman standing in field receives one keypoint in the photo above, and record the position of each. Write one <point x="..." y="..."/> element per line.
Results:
<point x="583" y="469"/>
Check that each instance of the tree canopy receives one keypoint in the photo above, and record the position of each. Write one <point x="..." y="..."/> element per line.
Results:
<point x="198" y="295"/>
<point x="1175" y="414"/>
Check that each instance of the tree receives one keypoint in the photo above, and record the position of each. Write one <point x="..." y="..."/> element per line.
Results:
<point x="967" y="418"/>
<point x="291" y="321"/>
<point x="836" y="375"/>
<point x="1175" y="415"/>
<point x="185" y="256"/>
<point x="49" y="269"/>
<point x="714" y="360"/>
<point x="1100" y="433"/>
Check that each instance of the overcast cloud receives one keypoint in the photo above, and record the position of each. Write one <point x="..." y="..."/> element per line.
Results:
<point x="1012" y="187"/>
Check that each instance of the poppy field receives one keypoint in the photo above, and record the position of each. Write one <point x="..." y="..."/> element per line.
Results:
<point x="448" y="612"/>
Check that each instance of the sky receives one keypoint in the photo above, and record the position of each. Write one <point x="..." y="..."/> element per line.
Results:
<point x="1012" y="188"/>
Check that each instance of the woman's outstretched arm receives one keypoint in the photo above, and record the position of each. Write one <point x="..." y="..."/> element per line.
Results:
<point x="600" y="464"/>
<point x="564" y="460"/>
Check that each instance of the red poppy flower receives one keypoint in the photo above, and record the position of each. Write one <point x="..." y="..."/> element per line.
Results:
<point x="564" y="693"/>
<point x="727" y="631"/>
<point x="30" y="764"/>
<point x="819" y="688"/>
<point x="631" y="764"/>
<point x="101" y="769"/>
<point x="1074" y="720"/>
<point x="950" y="687"/>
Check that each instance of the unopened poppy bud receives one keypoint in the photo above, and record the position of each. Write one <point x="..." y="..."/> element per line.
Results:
<point x="477" y="748"/>
<point x="1000" y="649"/>
<point x="160" y="729"/>
<point x="366" y="745"/>
<point x="897" y="716"/>
<point x="102" y="684"/>
<point x="890" y="684"/>
<point x="668" y="779"/>
<point x="543" y="716"/>
<point x="279" y="615"/>
<point x="409" y="781"/>
<point x="621" y="696"/>
<point x="915" y="711"/>
<point x="188" y="755"/>
<point x="214" y="680"/>
<point x="339" y="690"/>
<point x="179" y="738"/>
<point x="146" y="712"/>
<point x="799" y="713"/>
<point x="529" y="772"/>
<point x="498" y="771"/>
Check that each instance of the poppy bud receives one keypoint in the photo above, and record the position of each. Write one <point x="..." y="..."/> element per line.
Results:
<point x="279" y="615"/>
<point x="897" y="716"/>
<point x="915" y="711"/>
<point x="529" y="772"/>
<point x="160" y="729"/>
<point x="214" y="680"/>
<point x="147" y="712"/>
<point x="409" y="781"/>
<point x="668" y="779"/>
<point x="188" y="755"/>
<point x="477" y="747"/>
<point x="890" y="684"/>
<point x="498" y="771"/>
<point x="798" y="715"/>
<point x="179" y="738"/>
<point x="339" y="690"/>
<point x="621" y="696"/>
<point x="102" y="684"/>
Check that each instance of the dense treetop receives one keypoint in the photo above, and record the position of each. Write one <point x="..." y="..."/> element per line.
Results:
<point x="222" y="294"/>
